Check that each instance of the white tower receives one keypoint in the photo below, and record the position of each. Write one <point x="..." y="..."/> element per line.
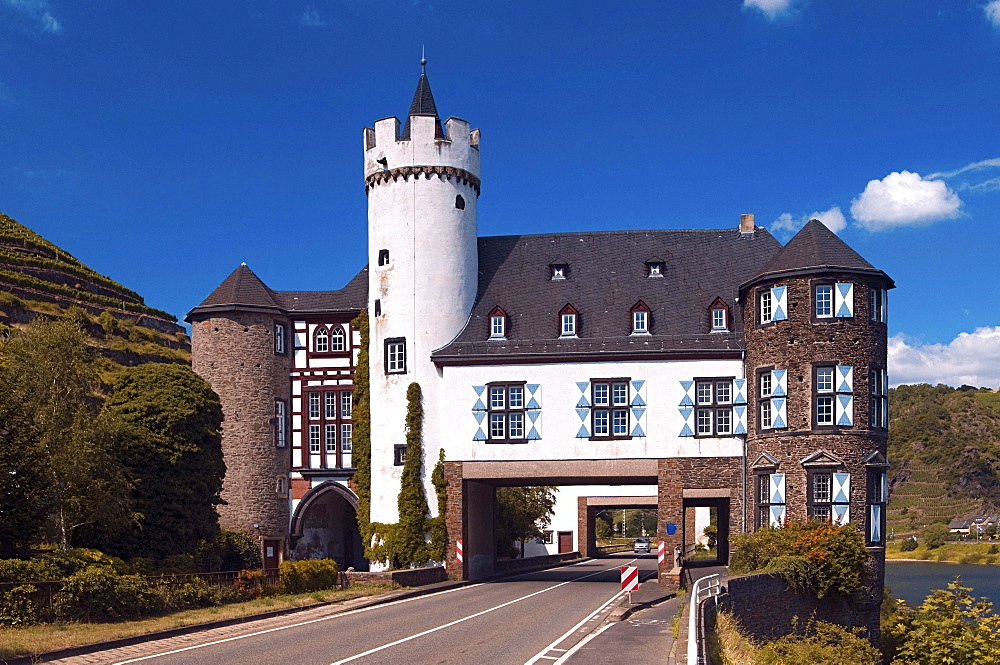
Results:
<point x="422" y="186"/>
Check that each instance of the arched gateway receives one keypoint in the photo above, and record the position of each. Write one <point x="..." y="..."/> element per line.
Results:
<point x="325" y="526"/>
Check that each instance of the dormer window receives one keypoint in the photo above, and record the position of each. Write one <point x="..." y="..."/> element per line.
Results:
<point x="640" y="318"/>
<point x="558" y="271"/>
<point x="498" y="323"/>
<point x="655" y="268"/>
<point x="568" y="321"/>
<point x="719" y="312"/>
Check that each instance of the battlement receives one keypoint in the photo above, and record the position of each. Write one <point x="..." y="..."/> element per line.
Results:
<point x="386" y="151"/>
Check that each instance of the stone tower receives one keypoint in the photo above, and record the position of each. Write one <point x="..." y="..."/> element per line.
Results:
<point x="817" y="426"/>
<point x="422" y="183"/>
<point x="240" y="345"/>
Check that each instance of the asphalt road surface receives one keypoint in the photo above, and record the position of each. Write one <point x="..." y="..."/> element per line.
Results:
<point x="529" y="619"/>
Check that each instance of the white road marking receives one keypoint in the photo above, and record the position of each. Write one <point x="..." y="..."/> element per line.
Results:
<point x="294" y="625"/>
<point x="541" y="654"/>
<point x="473" y="616"/>
<point x="579" y="645"/>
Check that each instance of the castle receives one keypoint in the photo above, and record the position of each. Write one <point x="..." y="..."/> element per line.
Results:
<point x="677" y="369"/>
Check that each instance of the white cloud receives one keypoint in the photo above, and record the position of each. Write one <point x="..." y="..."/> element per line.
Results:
<point x="786" y="225"/>
<point x="311" y="18"/>
<point x="37" y="12"/>
<point x="771" y="8"/>
<point x="904" y="199"/>
<point x="992" y="10"/>
<point x="974" y="170"/>
<point x="971" y="358"/>
<point x="974" y="166"/>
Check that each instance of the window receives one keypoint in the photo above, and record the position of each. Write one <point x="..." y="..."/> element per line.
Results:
<point x="558" y="271"/>
<point x="280" y="426"/>
<point x="346" y="437"/>
<point x="506" y="411"/>
<point x="568" y="321"/>
<point x="399" y="454"/>
<point x="337" y="340"/>
<point x="327" y="410"/>
<point x="460" y="202"/>
<point x="610" y="412"/>
<point x="546" y="537"/>
<point x="829" y="496"/>
<point x="383" y="257"/>
<point x="823" y="301"/>
<point x="640" y="318"/>
<point x="321" y="340"/>
<point x="824" y="396"/>
<point x="395" y="355"/>
<point x="765" y="381"/>
<point x="877" y="305"/>
<point x="314" y="440"/>
<point x="279" y="338"/>
<point x="770" y="499"/>
<point x="281" y="485"/>
<point x="654" y="269"/>
<point x="498" y="323"/>
<point x="378" y="307"/>
<point x="719" y="323"/>
<point x="714" y="413"/>
<point x="878" y="497"/>
<point x="766" y="311"/>
<point x="878" y="415"/>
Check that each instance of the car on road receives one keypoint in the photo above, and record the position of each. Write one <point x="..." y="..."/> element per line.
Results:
<point x="641" y="545"/>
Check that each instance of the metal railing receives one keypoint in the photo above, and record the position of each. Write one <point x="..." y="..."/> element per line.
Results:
<point x="706" y="587"/>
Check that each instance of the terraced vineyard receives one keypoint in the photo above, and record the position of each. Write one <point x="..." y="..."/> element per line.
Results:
<point x="923" y="499"/>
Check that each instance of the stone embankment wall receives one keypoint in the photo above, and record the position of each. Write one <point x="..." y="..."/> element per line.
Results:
<point x="411" y="577"/>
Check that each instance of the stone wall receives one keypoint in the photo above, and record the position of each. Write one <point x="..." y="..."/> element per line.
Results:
<point x="234" y="352"/>
<point x="410" y="577"/>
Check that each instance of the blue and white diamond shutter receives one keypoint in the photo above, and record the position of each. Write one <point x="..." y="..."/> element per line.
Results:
<point x="875" y="523"/>
<point x="638" y="406"/>
<point x="687" y="408"/>
<point x="740" y="405"/>
<point x="885" y="402"/>
<point x="843" y="300"/>
<point x="776" y="487"/>
<point x="841" y="498"/>
<point x="583" y="409"/>
<point x="779" y="303"/>
<point x="479" y="413"/>
<point x="845" y="396"/>
<point x="779" y="393"/>
<point x="533" y="411"/>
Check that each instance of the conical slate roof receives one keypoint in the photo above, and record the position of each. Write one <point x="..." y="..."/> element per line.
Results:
<point x="815" y="247"/>
<point x="242" y="287"/>
<point x="423" y="104"/>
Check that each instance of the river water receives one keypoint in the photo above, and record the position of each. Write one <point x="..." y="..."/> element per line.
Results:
<point x="913" y="580"/>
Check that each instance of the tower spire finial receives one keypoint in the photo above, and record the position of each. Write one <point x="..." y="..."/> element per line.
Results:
<point x="423" y="60"/>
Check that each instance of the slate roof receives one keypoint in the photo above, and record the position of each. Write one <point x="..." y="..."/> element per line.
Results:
<point x="243" y="290"/>
<point x="607" y="275"/>
<point x="815" y="248"/>
<point x="423" y="104"/>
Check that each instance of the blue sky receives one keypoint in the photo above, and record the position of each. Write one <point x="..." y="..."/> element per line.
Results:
<point x="164" y="143"/>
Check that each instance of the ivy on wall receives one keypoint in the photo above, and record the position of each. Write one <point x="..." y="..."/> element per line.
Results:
<point x="361" y="455"/>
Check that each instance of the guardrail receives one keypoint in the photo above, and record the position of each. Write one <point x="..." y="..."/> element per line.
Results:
<point x="710" y="587"/>
<point x="617" y="547"/>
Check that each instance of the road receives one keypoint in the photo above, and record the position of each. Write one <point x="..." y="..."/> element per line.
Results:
<point x="532" y="618"/>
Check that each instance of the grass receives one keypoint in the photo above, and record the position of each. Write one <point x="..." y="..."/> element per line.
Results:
<point x="31" y="640"/>
<point x="965" y="552"/>
<point x="727" y="645"/>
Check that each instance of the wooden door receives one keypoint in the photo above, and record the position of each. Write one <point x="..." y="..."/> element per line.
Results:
<point x="272" y="554"/>
<point x="565" y="541"/>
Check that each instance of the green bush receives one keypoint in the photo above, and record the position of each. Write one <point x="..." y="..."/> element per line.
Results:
<point x="229" y="550"/>
<point x="836" y="555"/>
<point x="797" y="570"/>
<point x="935" y="535"/>
<point x="908" y="545"/>
<point x="98" y="593"/>
<point x="308" y="575"/>
<point x="21" y="605"/>
<point x="31" y="570"/>
<point x="822" y="644"/>
<point x="191" y="594"/>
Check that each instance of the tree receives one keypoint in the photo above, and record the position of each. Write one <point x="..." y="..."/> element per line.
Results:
<point x="361" y="454"/>
<point x="49" y="411"/>
<point x="172" y="450"/>
<point x="522" y="513"/>
<point x="439" y="525"/>
<point x="951" y="626"/>
<point x="712" y="533"/>
<point x="602" y="528"/>
<point x="935" y="535"/>
<point x="411" y="534"/>
<point x="23" y="496"/>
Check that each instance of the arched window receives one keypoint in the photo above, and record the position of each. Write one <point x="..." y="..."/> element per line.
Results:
<point x="321" y="341"/>
<point x="460" y="202"/>
<point x="337" y="339"/>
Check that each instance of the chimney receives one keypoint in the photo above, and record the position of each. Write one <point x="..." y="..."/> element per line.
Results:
<point x="746" y="223"/>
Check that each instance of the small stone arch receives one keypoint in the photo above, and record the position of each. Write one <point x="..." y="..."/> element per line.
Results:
<point x="324" y="524"/>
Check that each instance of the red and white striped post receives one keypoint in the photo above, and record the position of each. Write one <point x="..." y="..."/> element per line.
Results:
<point x="630" y="580"/>
<point x="458" y="551"/>
<point x="661" y="553"/>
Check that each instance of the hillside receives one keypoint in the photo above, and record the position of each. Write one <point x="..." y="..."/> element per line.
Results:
<point x="944" y="446"/>
<point x="37" y="278"/>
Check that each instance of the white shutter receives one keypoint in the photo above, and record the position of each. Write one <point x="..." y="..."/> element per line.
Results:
<point x="479" y="413"/>
<point x="777" y="517"/>
<point x="638" y="405"/>
<point x="779" y="382"/>
<point x="875" y="523"/>
<point x="583" y="409"/>
<point x="845" y="379"/>
<point x="779" y="303"/>
<point x="779" y="390"/>
<point x="844" y="416"/>
<point x="739" y="391"/>
<point x="843" y="300"/>
<point x="841" y="514"/>
<point x="687" y="408"/>
<point x="884" y="295"/>
<point x="533" y="411"/>
<point x="740" y="413"/>
<point x="776" y="487"/>
<point x="841" y="488"/>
